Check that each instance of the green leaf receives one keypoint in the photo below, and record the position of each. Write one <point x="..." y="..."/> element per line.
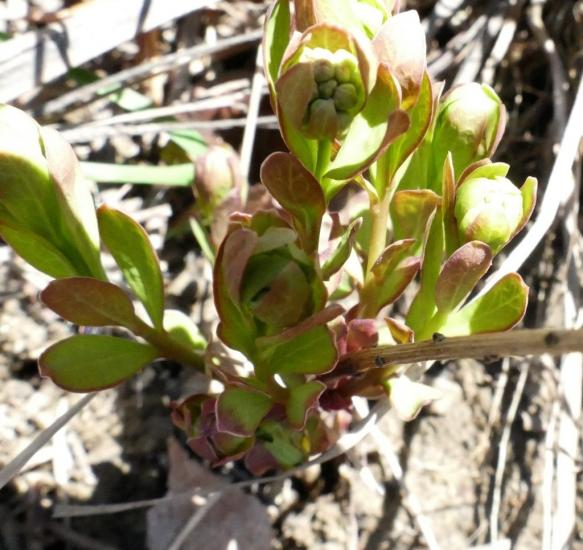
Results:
<point x="410" y="213"/>
<point x="203" y="239"/>
<point x="37" y="251"/>
<point x="240" y="411"/>
<point x="420" y="116"/>
<point x="502" y="307"/>
<point x="275" y="39"/>
<point x="312" y="352"/>
<point x="460" y="274"/>
<point x="94" y="362"/>
<point x="177" y="175"/>
<point x="528" y="192"/>
<point x="129" y="245"/>
<point x="342" y="251"/>
<point x="281" y="442"/>
<point x="76" y="220"/>
<point x="423" y="306"/>
<point x="301" y="400"/>
<point x="484" y="169"/>
<point x="298" y="192"/>
<point x="89" y="302"/>
<point x="182" y="329"/>
<point x="371" y="130"/>
<point x="236" y="330"/>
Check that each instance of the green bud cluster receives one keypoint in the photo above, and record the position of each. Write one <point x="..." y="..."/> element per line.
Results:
<point x="337" y="94"/>
<point x="488" y="210"/>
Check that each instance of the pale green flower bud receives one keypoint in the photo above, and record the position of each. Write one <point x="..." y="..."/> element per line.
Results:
<point x="345" y="97"/>
<point x="326" y="89"/>
<point x="488" y="210"/>
<point x="469" y="124"/>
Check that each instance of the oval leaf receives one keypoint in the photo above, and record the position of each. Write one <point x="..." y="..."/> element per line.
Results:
<point x="301" y="401"/>
<point x="129" y="245"/>
<point x="89" y="302"/>
<point x="460" y="274"/>
<point x="312" y="352"/>
<point x="240" y="411"/>
<point x="502" y="307"/>
<point x="88" y="363"/>
<point x="298" y="192"/>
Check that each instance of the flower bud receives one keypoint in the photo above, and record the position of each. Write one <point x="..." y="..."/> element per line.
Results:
<point x="335" y="75"/>
<point x="217" y="174"/>
<point x="469" y="123"/>
<point x="488" y="210"/>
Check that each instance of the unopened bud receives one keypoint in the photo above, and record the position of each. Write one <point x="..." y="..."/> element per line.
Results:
<point x="326" y="89"/>
<point x="216" y="176"/>
<point x="323" y="122"/>
<point x="323" y="70"/>
<point x="488" y="210"/>
<point x="469" y="125"/>
<point x="345" y="97"/>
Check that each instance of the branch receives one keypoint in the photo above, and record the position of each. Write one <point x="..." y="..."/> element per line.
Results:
<point x="515" y="343"/>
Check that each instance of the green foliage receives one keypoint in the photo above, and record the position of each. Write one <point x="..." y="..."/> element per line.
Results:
<point x="348" y="82"/>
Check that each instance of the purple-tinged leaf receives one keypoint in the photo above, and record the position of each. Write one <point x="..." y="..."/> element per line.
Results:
<point x="320" y="318"/>
<point x="88" y="363"/>
<point x="294" y="93"/>
<point x="312" y="352"/>
<point x="397" y="281"/>
<point x="390" y="257"/>
<point x="420" y="116"/>
<point x="410" y="213"/>
<point x="240" y="411"/>
<point x="285" y="301"/>
<point x="298" y="192"/>
<point x="129" y="245"/>
<point x="259" y="461"/>
<point x="448" y="206"/>
<point x="500" y="309"/>
<point x="235" y="329"/>
<point x="361" y="334"/>
<point x="400" y="44"/>
<point x="89" y="302"/>
<point x="460" y="274"/>
<point x="301" y="401"/>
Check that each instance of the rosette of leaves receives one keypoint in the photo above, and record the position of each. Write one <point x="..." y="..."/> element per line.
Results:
<point x="338" y="108"/>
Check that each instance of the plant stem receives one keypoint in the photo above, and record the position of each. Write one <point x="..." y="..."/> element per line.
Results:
<point x="378" y="240"/>
<point x="323" y="160"/>
<point x="167" y="346"/>
<point x="492" y="346"/>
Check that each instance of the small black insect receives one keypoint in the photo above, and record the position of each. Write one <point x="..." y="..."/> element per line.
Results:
<point x="438" y="337"/>
<point x="379" y="361"/>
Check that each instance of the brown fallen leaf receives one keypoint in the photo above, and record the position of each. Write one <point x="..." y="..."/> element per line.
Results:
<point x="235" y="517"/>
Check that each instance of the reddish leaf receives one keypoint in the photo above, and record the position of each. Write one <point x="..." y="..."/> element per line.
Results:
<point x="89" y="302"/>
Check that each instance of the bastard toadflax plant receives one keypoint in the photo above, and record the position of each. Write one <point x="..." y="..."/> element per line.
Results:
<point x="299" y="287"/>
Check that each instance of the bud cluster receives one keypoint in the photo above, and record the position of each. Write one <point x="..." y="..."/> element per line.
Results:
<point x="337" y="95"/>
